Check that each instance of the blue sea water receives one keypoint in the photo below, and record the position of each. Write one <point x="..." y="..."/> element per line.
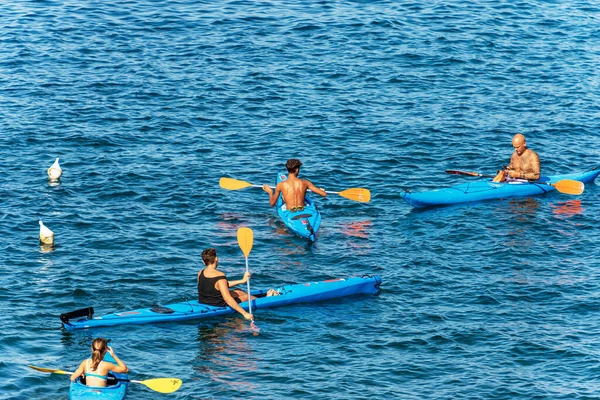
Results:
<point x="148" y="103"/>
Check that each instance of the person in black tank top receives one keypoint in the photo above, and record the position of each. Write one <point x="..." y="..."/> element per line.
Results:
<point x="213" y="286"/>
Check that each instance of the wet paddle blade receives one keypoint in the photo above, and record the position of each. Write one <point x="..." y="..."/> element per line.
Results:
<point x="50" y="370"/>
<point x="569" y="186"/>
<point x="357" y="194"/>
<point x="245" y="238"/>
<point x="233" y="184"/>
<point x="162" y="385"/>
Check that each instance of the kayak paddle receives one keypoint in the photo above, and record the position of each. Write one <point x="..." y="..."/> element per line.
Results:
<point x="245" y="238"/>
<point x="355" y="194"/>
<point x="161" y="385"/>
<point x="468" y="173"/>
<point x="567" y="186"/>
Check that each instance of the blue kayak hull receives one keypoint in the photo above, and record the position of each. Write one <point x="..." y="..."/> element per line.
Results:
<point x="305" y="223"/>
<point x="190" y="310"/>
<point x="488" y="190"/>
<point x="118" y="391"/>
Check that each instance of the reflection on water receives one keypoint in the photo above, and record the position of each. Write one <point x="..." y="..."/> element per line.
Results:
<point x="567" y="208"/>
<point x="74" y="341"/>
<point x="523" y="208"/>
<point x="291" y="244"/>
<point x="357" y="229"/>
<point x="46" y="248"/>
<point x="223" y="353"/>
<point x="522" y="212"/>
<point x="229" y="223"/>
<point x="358" y="234"/>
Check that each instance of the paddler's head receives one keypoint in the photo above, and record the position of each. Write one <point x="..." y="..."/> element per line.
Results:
<point x="99" y="347"/>
<point x="209" y="257"/>
<point x="519" y="144"/>
<point x="293" y="166"/>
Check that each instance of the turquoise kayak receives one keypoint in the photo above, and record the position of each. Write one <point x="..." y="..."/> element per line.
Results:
<point x="305" y="223"/>
<point x="115" y="389"/>
<point x="487" y="190"/>
<point x="190" y="310"/>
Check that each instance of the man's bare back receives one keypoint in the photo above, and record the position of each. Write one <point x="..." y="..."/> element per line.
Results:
<point x="293" y="189"/>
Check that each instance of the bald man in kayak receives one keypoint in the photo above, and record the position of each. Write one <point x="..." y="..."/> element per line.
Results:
<point x="524" y="163"/>
<point x="293" y="188"/>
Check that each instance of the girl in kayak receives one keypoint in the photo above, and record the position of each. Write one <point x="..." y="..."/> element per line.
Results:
<point x="213" y="286"/>
<point x="94" y="369"/>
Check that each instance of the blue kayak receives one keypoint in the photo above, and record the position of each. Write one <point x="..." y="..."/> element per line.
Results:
<point x="115" y="389"/>
<point x="487" y="190"/>
<point x="190" y="310"/>
<point x="305" y="223"/>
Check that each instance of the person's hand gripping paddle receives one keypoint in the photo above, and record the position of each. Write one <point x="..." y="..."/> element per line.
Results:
<point x="245" y="239"/>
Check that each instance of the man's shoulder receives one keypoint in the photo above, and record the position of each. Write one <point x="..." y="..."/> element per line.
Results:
<point x="533" y="152"/>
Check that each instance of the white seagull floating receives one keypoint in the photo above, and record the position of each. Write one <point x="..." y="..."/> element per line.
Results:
<point x="55" y="171"/>
<point x="46" y="235"/>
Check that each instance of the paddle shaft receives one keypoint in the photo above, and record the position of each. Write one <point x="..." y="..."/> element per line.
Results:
<point x="355" y="194"/>
<point x="61" y="372"/>
<point x="273" y="187"/>
<point x="248" y="285"/>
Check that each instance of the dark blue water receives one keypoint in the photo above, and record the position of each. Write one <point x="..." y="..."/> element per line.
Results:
<point x="149" y="103"/>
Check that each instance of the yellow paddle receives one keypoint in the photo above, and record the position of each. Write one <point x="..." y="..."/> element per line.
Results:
<point x="245" y="238"/>
<point x="355" y="194"/>
<point x="567" y="186"/>
<point x="161" y="385"/>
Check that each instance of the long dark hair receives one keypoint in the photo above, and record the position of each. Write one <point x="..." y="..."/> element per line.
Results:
<point x="98" y="350"/>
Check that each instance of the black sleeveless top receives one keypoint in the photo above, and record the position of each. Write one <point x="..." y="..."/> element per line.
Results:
<point x="207" y="294"/>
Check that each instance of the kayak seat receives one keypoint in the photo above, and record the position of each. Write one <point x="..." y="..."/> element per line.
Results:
<point x="87" y="312"/>
<point x="111" y="381"/>
<point x="295" y="217"/>
<point x="162" y="310"/>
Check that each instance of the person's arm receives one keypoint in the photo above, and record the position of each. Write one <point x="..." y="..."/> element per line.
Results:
<point x="239" y="282"/>
<point x="272" y="197"/>
<point x="120" y="368"/>
<point x="224" y="289"/>
<point x="315" y="189"/>
<point x="79" y="371"/>
<point x="510" y="170"/>
<point x="534" y="171"/>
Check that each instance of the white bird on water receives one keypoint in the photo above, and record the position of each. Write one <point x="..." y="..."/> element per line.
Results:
<point x="46" y="235"/>
<point x="55" y="171"/>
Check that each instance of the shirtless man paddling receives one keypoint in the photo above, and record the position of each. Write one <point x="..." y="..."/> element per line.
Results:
<point x="293" y="188"/>
<point x="524" y="163"/>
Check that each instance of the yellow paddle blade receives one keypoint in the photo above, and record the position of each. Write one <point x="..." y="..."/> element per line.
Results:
<point x="357" y="194"/>
<point x="569" y="186"/>
<point x="245" y="239"/>
<point x="233" y="184"/>
<point x="50" y="370"/>
<point x="163" y="385"/>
